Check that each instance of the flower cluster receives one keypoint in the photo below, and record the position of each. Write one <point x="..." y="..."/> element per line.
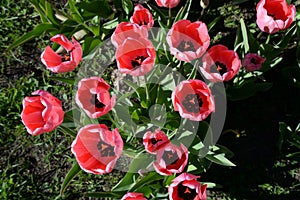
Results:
<point x="97" y="148"/>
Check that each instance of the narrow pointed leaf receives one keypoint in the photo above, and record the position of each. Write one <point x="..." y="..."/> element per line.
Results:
<point x="71" y="174"/>
<point x="37" y="31"/>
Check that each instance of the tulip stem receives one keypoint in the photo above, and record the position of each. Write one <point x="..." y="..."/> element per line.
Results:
<point x="193" y="72"/>
<point x="146" y="88"/>
<point x="170" y="18"/>
<point x="111" y="119"/>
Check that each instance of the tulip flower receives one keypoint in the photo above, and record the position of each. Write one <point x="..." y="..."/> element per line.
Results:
<point x="41" y="112"/>
<point x="274" y="15"/>
<point x="171" y="159"/>
<point x="97" y="149"/>
<point x="125" y="30"/>
<point x="193" y="100"/>
<point x="187" y="40"/>
<point x="167" y="3"/>
<point x="253" y="62"/>
<point x="142" y="16"/>
<point x="186" y="186"/>
<point x="153" y="141"/>
<point x="64" y="61"/>
<point x="93" y="97"/>
<point x="136" y="56"/>
<point x="220" y="64"/>
<point x="133" y="196"/>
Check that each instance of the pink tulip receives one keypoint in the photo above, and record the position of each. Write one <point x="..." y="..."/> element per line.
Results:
<point x="64" y="61"/>
<point x="153" y="141"/>
<point x="41" y="113"/>
<point x="125" y="30"/>
<point x="253" y="62"/>
<point x="167" y="3"/>
<point x="220" y="64"/>
<point x="136" y="56"/>
<point x="93" y="97"/>
<point x="274" y="15"/>
<point x="142" y="16"/>
<point x="193" y="100"/>
<point x="133" y="196"/>
<point x="97" y="149"/>
<point x="171" y="159"/>
<point x="187" y="40"/>
<point x="186" y="186"/>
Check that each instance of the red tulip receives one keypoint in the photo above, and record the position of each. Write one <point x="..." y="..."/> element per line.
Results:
<point x="62" y="62"/>
<point x="41" y="113"/>
<point x="136" y="56"/>
<point x="167" y="3"/>
<point x="193" y="100"/>
<point x="274" y="15"/>
<point x="253" y="62"/>
<point x="186" y="187"/>
<point x="133" y="196"/>
<point x="97" y="149"/>
<point x="171" y="159"/>
<point x="155" y="141"/>
<point x="125" y="30"/>
<point x="93" y="97"/>
<point x="142" y="16"/>
<point x="188" y="40"/>
<point x="220" y="64"/>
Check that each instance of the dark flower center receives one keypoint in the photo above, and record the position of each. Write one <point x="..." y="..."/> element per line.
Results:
<point x="186" y="193"/>
<point x="192" y="103"/>
<point x="170" y="157"/>
<point x="186" y="46"/>
<point x="96" y="102"/>
<point x="105" y="150"/>
<point x="252" y="60"/>
<point x="272" y="15"/>
<point x="66" y="57"/>
<point x="220" y="67"/>
<point x="154" y="140"/>
<point x="137" y="62"/>
<point x="142" y="23"/>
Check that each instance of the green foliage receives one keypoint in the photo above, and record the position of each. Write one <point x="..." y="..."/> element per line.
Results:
<point x="92" y="22"/>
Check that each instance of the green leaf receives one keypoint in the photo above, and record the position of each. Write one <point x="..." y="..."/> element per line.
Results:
<point x="71" y="174"/>
<point x="220" y="159"/>
<point x="184" y="11"/>
<point x="98" y="7"/>
<point x="65" y="129"/>
<point x="127" y="6"/>
<point x="141" y="161"/>
<point x="40" y="9"/>
<point x="70" y="81"/>
<point x="287" y="37"/>
<point x="37" y="31"/>
<point x="213" y="23"/>
<point x="117" y="195"/>
<point x="246" y="90"/>
<point x="50" y="13"/>
<point x="147" y="180"/>
<point x="90" y="43"/>
<point x="146" y="190"/>
<point x="161" y="17"/>
<point x="111" y="24"/>
<point x="75" y="13"/>
<point x="126" y="182"/>
<point x="245" y="35"/>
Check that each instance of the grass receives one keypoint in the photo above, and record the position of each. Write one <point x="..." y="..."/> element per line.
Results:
<point x="33" y="167"/>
